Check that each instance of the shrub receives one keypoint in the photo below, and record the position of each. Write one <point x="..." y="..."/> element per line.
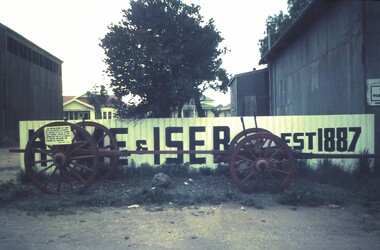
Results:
<point x="306" y="192"/>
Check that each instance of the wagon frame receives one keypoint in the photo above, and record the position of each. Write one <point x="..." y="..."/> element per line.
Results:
<point x="257" y="158"/>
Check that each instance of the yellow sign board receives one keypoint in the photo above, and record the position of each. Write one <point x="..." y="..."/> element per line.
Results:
<point x="351" y="134"/>
<point x="58" y="135"/>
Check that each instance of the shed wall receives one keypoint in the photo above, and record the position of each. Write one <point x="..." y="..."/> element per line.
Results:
<point x="250" y="94"/>
<point x="30" y="83"/>
<point x="322" y="71"/>
<point x="372" y="60"/>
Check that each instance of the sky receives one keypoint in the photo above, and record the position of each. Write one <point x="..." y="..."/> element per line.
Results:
<point x="71" y="30"/>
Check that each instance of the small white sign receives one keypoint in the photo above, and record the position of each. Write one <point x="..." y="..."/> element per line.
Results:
<point x="58" y="135"/>
<point x="373" y="92"/>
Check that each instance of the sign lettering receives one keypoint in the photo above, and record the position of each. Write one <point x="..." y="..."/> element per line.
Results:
<point x="58" y="135"/>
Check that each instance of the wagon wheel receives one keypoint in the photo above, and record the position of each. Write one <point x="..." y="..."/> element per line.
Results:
<point x="105" y="141"/>
<point x="261" y="162"/>
<point x="244" y="134"/>
<point x="59" y="169"/>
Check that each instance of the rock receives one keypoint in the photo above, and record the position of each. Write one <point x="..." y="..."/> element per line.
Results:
<point x="333" y="206"/>
<point x="133" y="206"/>
<point x="161" y="180"/>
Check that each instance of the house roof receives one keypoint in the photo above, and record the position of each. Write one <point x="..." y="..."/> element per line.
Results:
<point x="84" y="100"/>
<point x="226" y="107"/>
<point x="192" y="106"/>
<point x="315" y="10"/>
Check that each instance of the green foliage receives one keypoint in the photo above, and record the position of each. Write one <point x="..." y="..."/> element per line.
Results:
<point x="370" y="191"/>
<point x="10" y="191"/>
<point x="98" y="96"/>
<point x="162" y="54"/>
<point x="277" y="24"/>
<point x="327" y="184"/>
<point x="364" y="169"/>
<point x="306" y="192"/>
<point x="328" y="173"/>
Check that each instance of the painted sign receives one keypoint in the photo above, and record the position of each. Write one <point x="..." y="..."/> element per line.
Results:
<point x="373" y="92"/>
<point x="57" y="135"/>
<point x="315" y="134"/>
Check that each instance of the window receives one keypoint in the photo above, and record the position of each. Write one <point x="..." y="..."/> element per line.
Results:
<point x="104" y="115"/>
<point x="186" y="113"/>
<point x="109" y="115"/>
<point x="76" y="115"/>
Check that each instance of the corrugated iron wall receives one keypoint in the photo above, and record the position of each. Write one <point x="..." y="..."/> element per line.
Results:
<point x="30" y="83"/>
<point x="318" y="134"/>
<point x="323" y="63"/>
<point x="250" y="94"/>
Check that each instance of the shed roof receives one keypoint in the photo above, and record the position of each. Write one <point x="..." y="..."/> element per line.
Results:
<point x="30" y="43"/>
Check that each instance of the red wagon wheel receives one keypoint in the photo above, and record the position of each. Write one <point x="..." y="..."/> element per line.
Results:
<point x="243" y="134"/>
<point x="261" y="162"/>
<point x="62" y="168"/>
<point x="105" y="141"/>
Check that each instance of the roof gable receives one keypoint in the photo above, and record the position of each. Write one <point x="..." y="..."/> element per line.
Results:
<point x="84" y="100"/>
<point x="78" y="103"/>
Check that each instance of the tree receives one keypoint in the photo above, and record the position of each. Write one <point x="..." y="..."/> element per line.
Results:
<point x="217" y="110"/>
<point x="98" y="97"/>
<point x="162" y="55"/>
<point x="277" y="24"/>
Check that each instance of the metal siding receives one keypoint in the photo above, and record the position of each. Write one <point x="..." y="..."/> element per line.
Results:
<point x="372" y="56"/>
<point x="32" y="92"/>
<point x="253" y="83"/>
<point x="320" y="63"/>
<point x="233" y="97"/>
<point x="3" y="105"/>
<point x="144" y="130"/>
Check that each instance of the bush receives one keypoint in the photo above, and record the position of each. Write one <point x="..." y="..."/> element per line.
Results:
<point x="306" y="192"/>
<point x="327" y="173"/>
<point x="10" y="191"/>
<point x="190" y="186"/>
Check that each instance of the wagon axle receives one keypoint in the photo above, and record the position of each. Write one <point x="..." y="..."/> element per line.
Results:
<point x="257" y="159"/>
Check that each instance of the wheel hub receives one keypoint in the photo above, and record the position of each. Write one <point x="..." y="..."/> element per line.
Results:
<point x="60" y="160"/>
<point x="262" y="165"/>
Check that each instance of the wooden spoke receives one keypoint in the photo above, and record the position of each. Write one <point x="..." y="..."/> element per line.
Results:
<point x="267" y="165"/>
<point x="60" y="175"/>
<point x="105" y="141"/>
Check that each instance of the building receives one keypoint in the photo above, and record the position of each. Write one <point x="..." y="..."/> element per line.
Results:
<point x="30" y="83"/>
<point x="223" y="110"/>
<point x="327" y="62"/>
<point x="79" y="108"/>
<point x="189" y="109"/>
<point x="250" y="93"/>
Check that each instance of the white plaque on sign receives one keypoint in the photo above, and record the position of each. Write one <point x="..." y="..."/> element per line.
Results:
<point x="58" y="135"/>
<point x="373" y="92"/>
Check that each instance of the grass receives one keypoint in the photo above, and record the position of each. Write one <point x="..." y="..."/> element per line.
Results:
<point x="330" y="184"/>
<point x="327" y="184"/>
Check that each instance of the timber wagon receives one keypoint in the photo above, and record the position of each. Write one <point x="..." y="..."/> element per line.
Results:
<point x="63" y="157"/>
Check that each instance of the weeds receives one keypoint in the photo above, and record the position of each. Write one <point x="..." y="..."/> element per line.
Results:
<point x="11" y="191"/>
<point x="327" y="184"/>
<point x="306" y="192"/>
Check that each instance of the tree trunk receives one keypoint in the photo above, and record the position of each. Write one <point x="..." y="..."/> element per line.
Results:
<point x="179" y="114"/>
<point x="96" y="104"/>
<point x="198" y="106"/>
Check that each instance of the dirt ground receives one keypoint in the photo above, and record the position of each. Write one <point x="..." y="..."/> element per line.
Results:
<point x="225" y="226"/>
